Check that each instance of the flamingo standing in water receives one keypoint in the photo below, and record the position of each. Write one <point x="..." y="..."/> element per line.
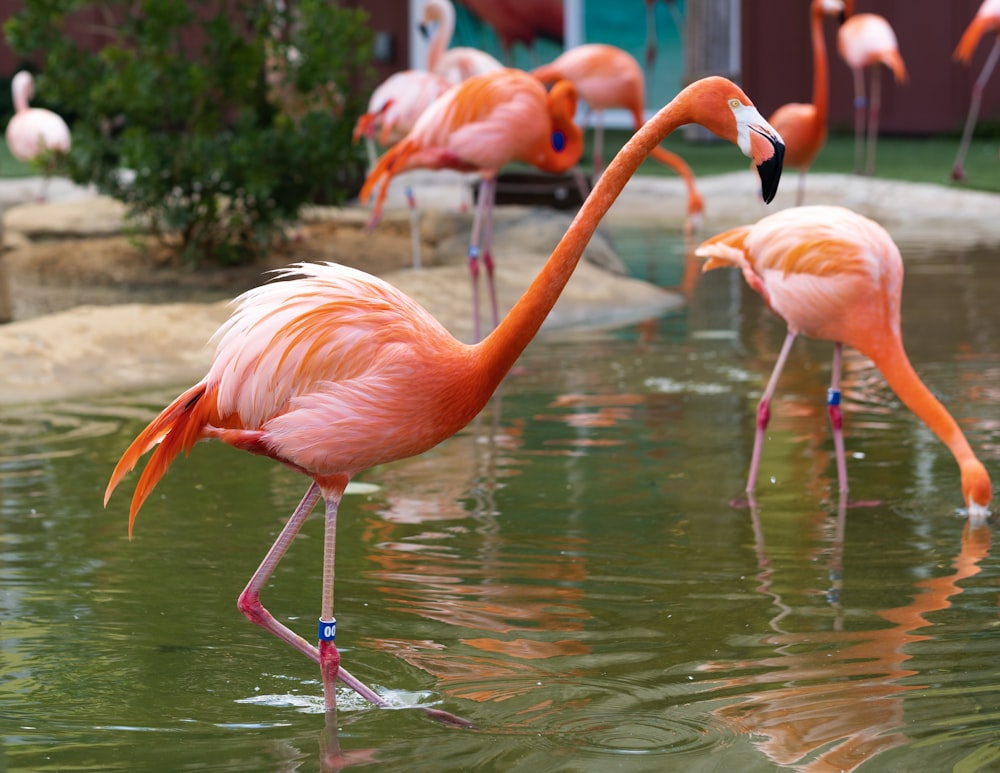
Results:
<point x="607" y="77"/>
<point x="864" y="41"/>
<point x="482" y="125"/>
<point x="832" y="274"/>
<point x="33" y="132"/>
<point x="454" y="64"/>
<point x="333" y="371"/>
<point x="986" y="19"/>
<point x="803" y="125"/>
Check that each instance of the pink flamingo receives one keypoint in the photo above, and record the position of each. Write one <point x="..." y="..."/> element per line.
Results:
<point x="333" y="371"/>
<point x="607" y="77"/>
<point x="987" y="19"/>
<point x="453" y="64"/>
<point x="482" y="125"/>
<point x="396" y="104"/>
<point x="866" y="40"/>
<point x="803" y="125"/>
<point x="832" y="274"/>
<point x="34" y="132"/>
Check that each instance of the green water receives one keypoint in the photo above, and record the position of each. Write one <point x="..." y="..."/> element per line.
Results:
<point x="567" y="573"/>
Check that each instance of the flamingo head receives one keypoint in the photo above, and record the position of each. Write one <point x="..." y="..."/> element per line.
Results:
<point x="976" y="489"/>
<point x="565" y="139"/>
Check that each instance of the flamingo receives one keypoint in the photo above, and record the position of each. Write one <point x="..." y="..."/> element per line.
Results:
<point x="652" y="43"/>
<point x="481" y="125"/>
<point x="395" y="105"/>
<point x="454" y="64"/>
<point x="867" y="40"/>
<point x="33" y="132"/>
<point x="803" y="125"/>
<point x="393" y="109"/>
<point x="833" y="274"/>
<point x="607" y="77"/>
<point x="521" y="21"/>
<point x="333" y="371"/>
<point x="985" y="20"/>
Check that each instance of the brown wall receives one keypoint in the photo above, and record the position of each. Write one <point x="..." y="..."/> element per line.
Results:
<point x="936" y="99"/>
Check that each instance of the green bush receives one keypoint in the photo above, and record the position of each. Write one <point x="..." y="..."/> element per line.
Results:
<point x="214" y="122"/>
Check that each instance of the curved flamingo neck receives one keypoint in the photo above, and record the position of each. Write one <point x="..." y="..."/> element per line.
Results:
<point x="821" y="75"/>
<point x="20" y="93"/>
<point x="442" y="35"/>
<point x="504" y="345"/>
<point x="891" y="360"/>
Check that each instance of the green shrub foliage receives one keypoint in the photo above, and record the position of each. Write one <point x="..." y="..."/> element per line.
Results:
<point x="213" y="122"/>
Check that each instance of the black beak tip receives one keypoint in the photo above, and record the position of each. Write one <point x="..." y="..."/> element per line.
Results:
<point x="770" y="173"/>
<point x="425" y="31"/>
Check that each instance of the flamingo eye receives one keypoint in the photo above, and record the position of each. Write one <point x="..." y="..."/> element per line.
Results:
<point x="735" y="103"/>
<point x="558" y="141"/>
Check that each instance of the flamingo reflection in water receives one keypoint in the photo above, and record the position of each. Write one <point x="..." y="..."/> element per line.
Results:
<point x="812" y="707"/>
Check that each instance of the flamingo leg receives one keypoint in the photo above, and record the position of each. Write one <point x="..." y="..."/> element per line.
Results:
<point x="873" y="110"/>
<point x="477" y="220"/>
<point x="800" y="196"/>
<point x="764" y="410"/>
<point x="598" y="144"/>
<point x="837" y="418"/>
<point x="251" y="607"/>
<point x="411" y="202"/>
<point x="958" y="169"/>
<point x="859" y="116"/>
<point x="487" y="247"/>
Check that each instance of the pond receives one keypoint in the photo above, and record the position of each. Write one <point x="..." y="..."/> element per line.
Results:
<point x="568" y="573"/>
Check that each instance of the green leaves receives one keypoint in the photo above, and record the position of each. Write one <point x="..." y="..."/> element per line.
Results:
<point x="214" y="124"/>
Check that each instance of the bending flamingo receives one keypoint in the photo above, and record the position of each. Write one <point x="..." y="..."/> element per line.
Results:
<point x="833" y="274"/>
<point x="333" y="371"/>
<point x="986" y="19"/>
<point x="33" y="132"/>
<point x="454" y="64"/>
<point x="396" y="104"/>
<point x="482" y="125"/>
<point x="866" y="40"/>
<point x="802" y="124"/>
<point x="607" y="77"/>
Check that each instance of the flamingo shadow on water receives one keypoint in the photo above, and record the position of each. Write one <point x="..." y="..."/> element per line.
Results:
<point x="331" y="371"/>
<point x="834" y="699"/>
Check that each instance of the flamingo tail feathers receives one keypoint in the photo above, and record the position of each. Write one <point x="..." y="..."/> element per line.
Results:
<point x="178" y="427"/>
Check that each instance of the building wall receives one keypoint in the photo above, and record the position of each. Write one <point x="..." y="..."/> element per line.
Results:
<point x="936" y="99"/>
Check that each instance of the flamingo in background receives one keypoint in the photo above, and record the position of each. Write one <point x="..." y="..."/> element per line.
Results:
<point x="866" y="40"/>
<point x="986" y="19"/>
<point x="608" y="77"/>
<point x="453" y="64"/>
<point x="33" y="132"/>
<point x="521" y="21"/>
<point x="803" y="125"/>
<point x="333" y="371"/>
<point x="832" y="274"/>
<point x="395" y="106"/>
<point x="482" y="125"/>
<point x="652" y="43"/>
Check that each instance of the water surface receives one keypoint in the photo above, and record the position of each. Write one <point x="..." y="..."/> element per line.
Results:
<point x="568" y="573"/>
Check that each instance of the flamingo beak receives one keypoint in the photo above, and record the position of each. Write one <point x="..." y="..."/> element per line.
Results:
<point x="425" y="30"/>
<point x="769" y="167"/>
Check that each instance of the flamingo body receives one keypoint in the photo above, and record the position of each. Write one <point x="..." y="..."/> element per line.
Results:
<point x="521" y="21"/>
<point x="607" y="77"/>
<point x="332" y="371"/>
<point x="33" y="131"/>
<point x="833" y="274"/>
<point x="481" y="125"/>
<point x="454" y="64"/>
<point x="987" y="19"/>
